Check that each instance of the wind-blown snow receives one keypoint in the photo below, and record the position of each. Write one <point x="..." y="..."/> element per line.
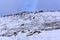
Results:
<point x="30" y="26"/>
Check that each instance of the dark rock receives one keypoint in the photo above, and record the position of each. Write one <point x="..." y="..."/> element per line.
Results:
<point x="33" y="17"/>
<point x="22" y="24"/>
<point x="41" y="11"/>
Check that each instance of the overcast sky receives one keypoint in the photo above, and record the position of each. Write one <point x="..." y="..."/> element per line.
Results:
<point x="15" y="6"/>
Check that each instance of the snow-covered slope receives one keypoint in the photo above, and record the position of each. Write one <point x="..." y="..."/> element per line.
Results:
<point x="45" y="35"/>
<point x="29" y="24"/>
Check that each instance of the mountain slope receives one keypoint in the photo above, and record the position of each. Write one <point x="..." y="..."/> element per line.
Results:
<point x="29" y="23"/>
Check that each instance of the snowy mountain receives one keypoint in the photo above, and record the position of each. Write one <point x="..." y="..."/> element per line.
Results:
<point x="29" y="25"/>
